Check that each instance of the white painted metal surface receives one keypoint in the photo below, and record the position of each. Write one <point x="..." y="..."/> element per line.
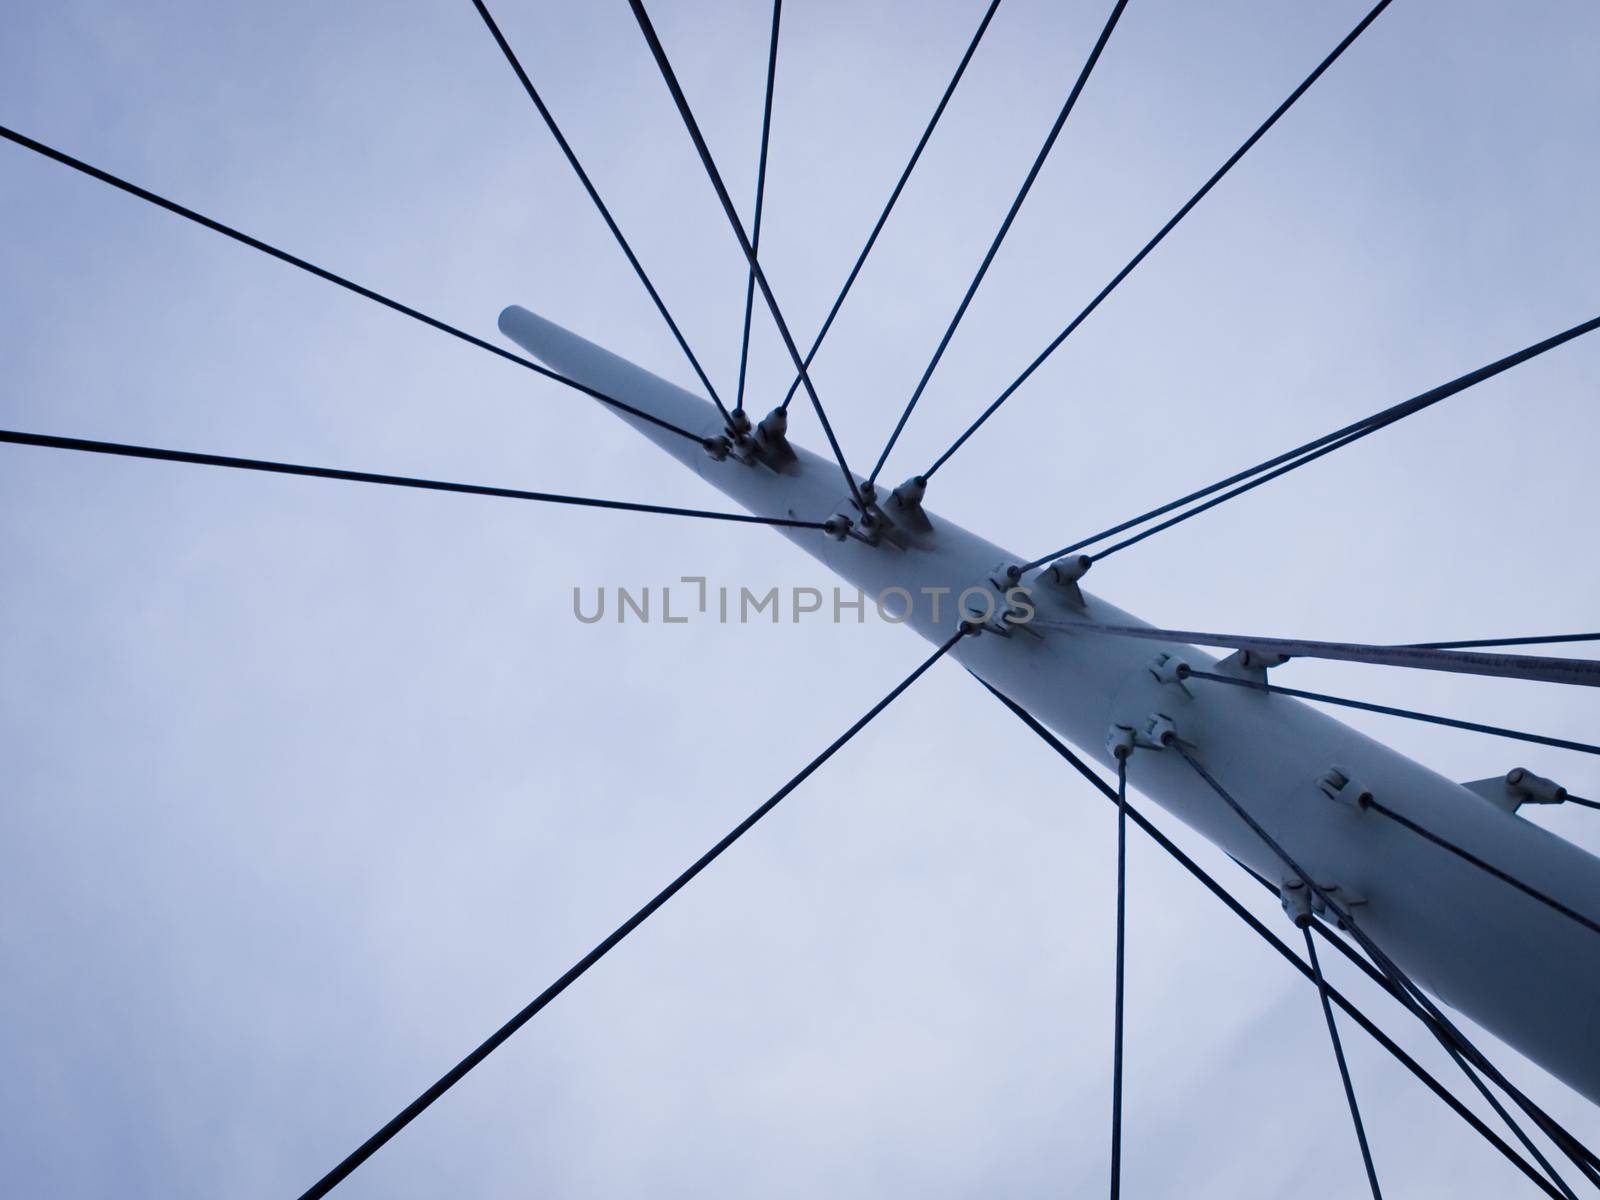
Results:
<point x="1515" y="966"/>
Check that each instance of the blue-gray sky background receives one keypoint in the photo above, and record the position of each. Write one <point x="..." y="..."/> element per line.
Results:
<point x="308" y="786"/>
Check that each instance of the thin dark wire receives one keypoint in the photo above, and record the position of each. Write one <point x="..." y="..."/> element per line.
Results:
<point x="1581" y="1154"/>
<point x="1450" y="722"/>
<point x="1571" y="799"/>
<point x="1344" y="1070"/>
<point x="1339" y="437"/>
<point x="1180" y="518"/>
<point x="761" y="192"/>
<point x="1585" y="1158"/>
<point x="1116" y="1021"/>
<point x="1383" y="961"/>
<point x="1459" y="1049"/>
<point x="894" y="195"/>
<point x="1005" y="227"/>
<point x="456" y="1073"/>
<point x="172" y="206"/>
<point x="1249" y="918"/>
<point x="1546" y="640"/>
<point x="1138" y="258"/>
<point x="1489" y="868"/>
<point x="124" y="450"/>
<point x="715" y="176"/>
<point x="605" y="213"/>
<point x="1581" y="672"/>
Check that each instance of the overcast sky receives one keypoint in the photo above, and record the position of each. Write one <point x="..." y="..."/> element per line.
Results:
<point x="308" y="785"/>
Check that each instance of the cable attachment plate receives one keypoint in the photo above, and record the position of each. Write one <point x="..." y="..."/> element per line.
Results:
<point x="1517" y="787"/>
<point x="772" y="440"/>
<point x="1062" y="576"/>
<point x="1250" y="664"/>
<point x="905" y="505"/>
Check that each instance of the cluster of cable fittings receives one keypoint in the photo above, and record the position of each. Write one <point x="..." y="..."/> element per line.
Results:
<point x="898" y="519"/>
<point x="1060" y="577"/>
<point x="1301" y="903"/>
<point x="1157" y="733"/>
<point x="766" y="443"/>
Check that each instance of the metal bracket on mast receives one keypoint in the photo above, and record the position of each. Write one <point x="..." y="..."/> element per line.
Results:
<point x="1250" y="664"/>
<point x="905" y="503"/>
<point x="772" y="440"/>
<point x="1062" y="576"/>
<point x="1517" y="787"/>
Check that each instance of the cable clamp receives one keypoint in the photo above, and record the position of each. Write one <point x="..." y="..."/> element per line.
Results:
<point x="1336" y="784"/>
<point x="1169" y="668"/>
<point x="1295" y="897"/>
<point x="1120" y="742"/>
<point x="1160" y="731"/>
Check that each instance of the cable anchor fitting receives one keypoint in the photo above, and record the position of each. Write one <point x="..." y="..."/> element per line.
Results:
<point x="1062" y="577"/>
<point x="1169" y="668"/>
<point x="1336" y="784"/>
<point x="772" y="439"/>
<point x="1160" y="731"/>
<point x="1121" y="742"/>
<point x="1301" y="903"/>
<point x="1250" y="664"/>
<point x="1517" y="787"/>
